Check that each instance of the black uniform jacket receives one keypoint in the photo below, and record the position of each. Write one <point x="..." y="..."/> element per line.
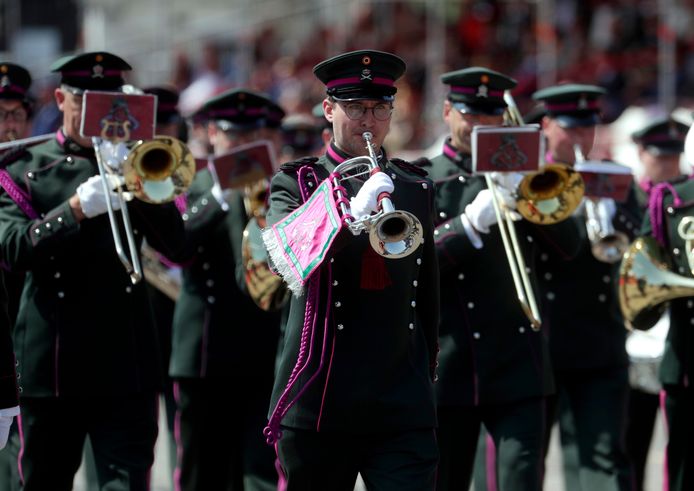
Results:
<point x="489" y="353"/>
<point x="376" y="348"/>
<point x="580" y="303"/>
<point x="82" y="325"/>
<point x="8" y="379"/>
<point x="678" y="358"/>
<point x="217" y="329"/>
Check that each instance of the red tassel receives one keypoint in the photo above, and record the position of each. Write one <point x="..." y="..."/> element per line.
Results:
<point x="374" y="274"/>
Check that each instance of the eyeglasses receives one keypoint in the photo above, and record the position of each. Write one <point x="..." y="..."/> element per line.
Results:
<point x="354" y="111"/>
<point x="18" y="115"/>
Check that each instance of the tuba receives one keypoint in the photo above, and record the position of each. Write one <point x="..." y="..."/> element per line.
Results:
<point x="646" y="283"/>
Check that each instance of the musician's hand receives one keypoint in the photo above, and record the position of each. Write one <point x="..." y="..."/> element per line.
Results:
<point x="6" y="417"/>
<point x="366" y="200"/>
<point x="92" y="199"/>
<point x="507" y="184"/>
<point x="221" y="195"/>
<point x="480" y="213"/>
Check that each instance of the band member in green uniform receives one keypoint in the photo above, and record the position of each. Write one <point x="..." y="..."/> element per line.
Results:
<point x="494" y="368"/>
<point x="660" y="145"/>
<point x="582" y="318"/>
<point x="15" y="114"/>
<point x="669" y="205"/>
<point x="84" y="339"/>
<point x="354" y="391"/>
<point x="224" y="346"/>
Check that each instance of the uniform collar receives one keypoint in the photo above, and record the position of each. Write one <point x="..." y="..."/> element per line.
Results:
<point x="71" y="147"/>
<point x="337" y="156"/>
<point x="462" y="160"/>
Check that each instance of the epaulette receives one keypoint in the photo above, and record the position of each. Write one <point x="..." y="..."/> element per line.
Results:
<point x="12" y="155"/>
<point x="297" y="164"/>
<point x="416" y="167"/>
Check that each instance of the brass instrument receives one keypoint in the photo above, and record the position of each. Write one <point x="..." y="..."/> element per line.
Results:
<point x="154" y="171"/>
<point x="268" y="290"/>
<point x="158" y="275"/>
<point x="646" y="283"/>
<point x="392" y="233"/>
<point x="607" y="244"/>
<point x="544" y="197"/>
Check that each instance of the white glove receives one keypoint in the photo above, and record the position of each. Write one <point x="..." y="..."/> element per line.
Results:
<point x="92" y="199"/>
<point x="480" y="213"/>
<point x="365" y="201"/>
<point x="6" y="417"/>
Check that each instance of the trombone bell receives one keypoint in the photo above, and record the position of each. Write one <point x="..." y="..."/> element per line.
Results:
<point x="550" y="195"/>
<point x="158" y="170"/>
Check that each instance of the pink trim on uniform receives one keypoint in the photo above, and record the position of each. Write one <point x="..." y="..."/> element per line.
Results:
<point x="332" y="352"/>
<point x="334" y="155"/>
<point x="168" y="106"/>
<point x="358" y="80"/>
<point x="568" y="106"/>
<point x="251" y="111"/>
<point x="60" y="136"/>
<point x="474" y="90"/>
<point x="490" y="464"/>
<point x="657" y="138"/>
<point x="13" y="88"/>
<point x="450" y="152"/>
<point x="177" y="438"/>
<point x="21" y="448"/>
<point x="18" y="195"/>
<point x="666" y="475"/>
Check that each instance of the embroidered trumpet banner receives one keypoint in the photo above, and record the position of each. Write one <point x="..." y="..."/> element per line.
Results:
<point x="299" y="243"/>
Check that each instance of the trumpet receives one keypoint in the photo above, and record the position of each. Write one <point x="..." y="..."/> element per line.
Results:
<point x="607" y="244"/>
<point x="392" y="233"/>
<point x="155" y="171"/>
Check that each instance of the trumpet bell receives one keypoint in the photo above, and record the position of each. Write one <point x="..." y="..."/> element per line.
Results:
<point x="550" y="195"/>
<point x="646" y="284"/>
<point x="158" y="170"/>
<point x="611" y="248"/>
<point x="395" y="234"/>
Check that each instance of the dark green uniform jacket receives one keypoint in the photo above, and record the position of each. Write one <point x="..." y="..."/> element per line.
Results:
<point x="8" y="379"/>
<point x="678" y="358"/>
<point x="217" y="329"/>
<point x="82" y="324"/>
<point x="579" y="297"/>
<point x="489" y="353"/>
<point x="378" y="346"/>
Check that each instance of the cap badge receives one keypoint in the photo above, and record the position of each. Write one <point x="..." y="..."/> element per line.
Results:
<point x="3" y="68"/>
<point x="672" y="130"/>
<point x="582" y="102"/>
<point x="366" y="60"/>
<point x="366" y="75"/>
<point x="97" y="71"/>
<point x="5" y="81"/>
<point x="482" y="91"/>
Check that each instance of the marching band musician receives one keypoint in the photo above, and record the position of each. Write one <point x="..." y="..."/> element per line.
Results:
<point x="354" y="390"/>
<point x="85" y="344"/>
<point x="494" y="368"/>
<point x="15" y="113"/>
<point x="224" y="346"/>
<point x="660" y="145"/>
<point x="670" y="204"/>
<point x="582" y="318"/>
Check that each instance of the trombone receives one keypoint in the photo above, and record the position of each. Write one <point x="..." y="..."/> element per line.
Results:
<point x="392" y="233"/>
<point x="544" y="197"/>
<point x="155" y="171"/>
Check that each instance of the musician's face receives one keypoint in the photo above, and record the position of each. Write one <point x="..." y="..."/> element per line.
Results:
<point x="561" y="141"/>
<point x="659" y="168"/>
<point x="71" y="106"/>
<point x="347" y="132"/>
<point x="13" y="120"/>
<point x="224" y="141"/>
<point x="460" y="125"/>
